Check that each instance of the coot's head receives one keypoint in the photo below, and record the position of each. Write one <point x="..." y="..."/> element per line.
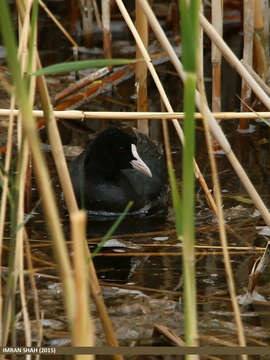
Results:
<point x="114" y="150"/>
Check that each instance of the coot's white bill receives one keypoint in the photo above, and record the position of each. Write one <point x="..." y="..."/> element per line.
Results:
<point x="139" y="164"/>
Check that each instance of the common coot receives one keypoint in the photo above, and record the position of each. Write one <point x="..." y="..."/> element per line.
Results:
<point x="116" y="168"/>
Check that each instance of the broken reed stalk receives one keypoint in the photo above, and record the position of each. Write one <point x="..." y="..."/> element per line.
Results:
<point x="87" y="21"/>
<point x="221" y="222"/>
<point x="83" y="333"/>
<point x="215" y="144"/>
<point x="215" y="128"/>
<point x="248" y="29"/>
<point x="80" y="115"/>
<point x="173" y="182"/>
<point x="265" y="14"/>
<point x="106" y="27"/>
<point x="216" y="57"/>
<point x="260" y="42"/>
<point x="258" y="16"/>
<point x="97" y="14"/>
<point x="141" y="69"/>
<point x="107" y="38"/>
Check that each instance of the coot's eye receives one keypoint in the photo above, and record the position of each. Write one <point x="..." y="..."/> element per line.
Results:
<point x="121" y="149"/>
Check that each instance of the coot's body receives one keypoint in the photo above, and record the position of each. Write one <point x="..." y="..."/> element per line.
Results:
<point x="117" y="168"/>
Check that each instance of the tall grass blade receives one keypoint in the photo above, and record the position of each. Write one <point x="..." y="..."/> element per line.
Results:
<point x="189" y="26"/>
<point x="81" y="65"/>
<point x="32" y="37"/>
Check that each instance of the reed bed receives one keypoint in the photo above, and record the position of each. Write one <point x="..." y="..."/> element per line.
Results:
<point x="79" y="278"/>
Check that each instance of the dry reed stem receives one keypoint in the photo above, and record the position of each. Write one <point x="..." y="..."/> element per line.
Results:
<point x="4" y="197"/>
<point x="32" y="271"/>
<point x="215" y="128"/>
<point x="22" y="170"/>
<point x="217" y="22"/>
<point x="106" y="27"/>
<point x="258" y="16"/>
<point x="265" y="12"/>
<point x="81" y="115"/>
<point x="260" y="42"/>
<point x="216" y="146"/>
<point x="19" y="254"/>
<point x="96" y="292"/>
<point x="83" y="327"/>
<point x="87" y="21"/>
<point x="247" y="56"/>
<point x="57" y="23"/>
<point x="256" y="77"/>
<point x="107" y="37"/>
<point x="221" y="222"/>
<point x="56" y="145"/>
<point x="97" y="14"/>
<point x="260" y="60"/>
<point x="167" y="144"/>
<point x="141" y="70"/>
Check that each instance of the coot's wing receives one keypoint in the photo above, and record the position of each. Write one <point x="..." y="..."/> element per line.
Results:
<point x="155" y="187"/>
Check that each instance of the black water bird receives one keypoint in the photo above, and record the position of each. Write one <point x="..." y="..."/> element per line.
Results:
<point x="117" y="168"/>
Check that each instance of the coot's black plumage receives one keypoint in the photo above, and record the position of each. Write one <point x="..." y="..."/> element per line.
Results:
<point x="116" y="168"/>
